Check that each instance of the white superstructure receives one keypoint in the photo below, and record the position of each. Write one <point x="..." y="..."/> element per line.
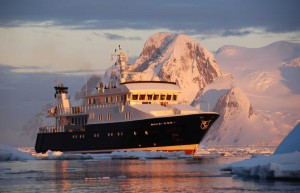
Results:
<point x="120" y="100"/>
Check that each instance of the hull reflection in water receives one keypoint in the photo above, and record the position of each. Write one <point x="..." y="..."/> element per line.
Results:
<point x="185" y="175"/>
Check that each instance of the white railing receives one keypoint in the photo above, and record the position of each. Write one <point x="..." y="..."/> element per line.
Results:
<point x="52" y="129"/>
<point x="84" y="109"/>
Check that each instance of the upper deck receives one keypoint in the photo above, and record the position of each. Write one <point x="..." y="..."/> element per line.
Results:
<point x="137" y="92"/>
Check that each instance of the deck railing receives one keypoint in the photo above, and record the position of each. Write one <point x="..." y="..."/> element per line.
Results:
<point x="52" y="129"/>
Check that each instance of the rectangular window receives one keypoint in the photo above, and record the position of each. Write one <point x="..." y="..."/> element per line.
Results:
<point x="109" y="117"/>
<point x="156" y="97"/>
<point x="123" y="97"/>
<point x="169" y="97"/>
<point x="162" y="97"/>
<point x="91" y="115"/>
<point x="142" y="97"/>
<point x="149" y="97"/>
<point x="174" y="97"/>
<point x="100" y="117"/>
<point x="119" y="98"/>
<point x="135" y="97"/>
<point x="91" y="101"/>
<point x="127" y="115"/>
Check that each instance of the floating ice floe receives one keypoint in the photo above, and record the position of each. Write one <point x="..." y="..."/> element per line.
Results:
<point x="8" y="153"/>
<point x="149" y="155"/>
<point x="284" y="164"/>
<point x="57" y="155"/>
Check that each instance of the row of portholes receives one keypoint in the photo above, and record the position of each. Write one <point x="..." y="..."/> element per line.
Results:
<point x="146" y="133"/>
<point x="97" y="135"/>
<point x="78" y="136"/>
<point x="163" y="123"/>
<point x="154" y="144"/>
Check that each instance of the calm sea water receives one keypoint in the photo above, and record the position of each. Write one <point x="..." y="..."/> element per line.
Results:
<point x="181" y="175"/>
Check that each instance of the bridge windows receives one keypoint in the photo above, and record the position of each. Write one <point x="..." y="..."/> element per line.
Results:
<point x="134" y="97"/>
<point x="162" y="97"/>
<point x="142" y="97"/>
<point x="149" y="97"/>
<point x="156" y="97"/>
<point x="174" y="97"/>
<point x="169" y="97"/>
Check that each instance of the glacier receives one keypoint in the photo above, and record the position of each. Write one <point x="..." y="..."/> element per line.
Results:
<point x="283" y="164"/>
<point x="8" y="153"/>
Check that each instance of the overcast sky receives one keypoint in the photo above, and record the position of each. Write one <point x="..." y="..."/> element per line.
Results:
<point x="43" y="40"/>
<point x="38" y="35"/>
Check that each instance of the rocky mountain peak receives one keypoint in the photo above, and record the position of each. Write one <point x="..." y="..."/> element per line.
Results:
<point x="178" y="58"/>
<point x="234" y="102"/>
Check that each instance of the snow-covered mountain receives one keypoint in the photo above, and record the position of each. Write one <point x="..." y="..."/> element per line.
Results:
<point x="238" y="119"/>
<point x="178" y="58"/>
<point x="240" y="124"/>
<point x="256" y="76"/>
<point x="269" y="75"/>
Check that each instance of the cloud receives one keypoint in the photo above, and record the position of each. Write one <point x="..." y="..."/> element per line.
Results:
<point x="111" y="36"/>
<point x="235" y="33"/>
<point x="200" y="17"/>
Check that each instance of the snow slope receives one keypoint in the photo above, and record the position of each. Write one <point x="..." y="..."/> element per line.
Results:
<point x="269" y="75"/>
<point x="291" y="143"/>
<point x="239" y="124"/>
<point x="178" y="58"/>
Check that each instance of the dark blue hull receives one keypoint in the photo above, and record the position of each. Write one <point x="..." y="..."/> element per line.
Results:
<point x="164" y="133"/>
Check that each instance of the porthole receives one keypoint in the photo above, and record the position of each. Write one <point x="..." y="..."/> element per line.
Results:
<point x="146" y="133"/>
<point x="134" y="133"/>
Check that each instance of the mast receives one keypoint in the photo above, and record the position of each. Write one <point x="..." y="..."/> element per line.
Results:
<point x="122" y="60"/>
